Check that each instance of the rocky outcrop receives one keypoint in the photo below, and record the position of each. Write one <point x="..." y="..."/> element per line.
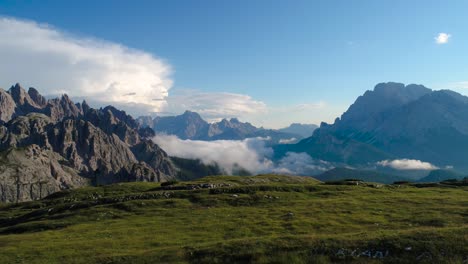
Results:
<point x="50" y="145"/>
<point x="156" y="158"/>
<point x="37" y="97"/>
<point x="60" y="108"/>
<point x="24" y="103"/>
<point x="33" y="172"/>
<point x="7" y="106"/>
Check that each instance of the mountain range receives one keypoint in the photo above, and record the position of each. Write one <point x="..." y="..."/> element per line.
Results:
<point x="190" y="125"/>
<point x="391" y="122"/>
<point x="50" y="145"/>
<point x="47" y="145"/>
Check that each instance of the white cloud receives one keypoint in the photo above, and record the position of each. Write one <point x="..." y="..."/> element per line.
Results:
<point x="55" y="62"/>
<point x="442" y="38"/>
<point x="301" y="164"/>
<point x="214" y="105"/>
<point x="251" y="154"/>
<point x="103" y="73"/>
<point x="407" y="164"/>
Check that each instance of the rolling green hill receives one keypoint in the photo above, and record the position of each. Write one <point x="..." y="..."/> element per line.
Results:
<point x="220" y="219"/>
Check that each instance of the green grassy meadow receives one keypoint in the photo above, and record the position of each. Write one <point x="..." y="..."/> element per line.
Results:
<point x="254" y="219"/>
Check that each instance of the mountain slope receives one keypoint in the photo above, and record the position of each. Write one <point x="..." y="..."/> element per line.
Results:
<point x="442" y="175"/>
<point x="394" y="122"/>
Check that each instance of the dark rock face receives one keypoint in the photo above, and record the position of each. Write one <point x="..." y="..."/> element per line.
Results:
<point x="52" y="145"/>
<point x="58" y="109"/>
<point x="37" y="97"/>
<point x="396" y="121"/>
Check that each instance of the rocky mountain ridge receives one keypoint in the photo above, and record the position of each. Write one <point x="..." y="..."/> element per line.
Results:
<point x="190" y="125"/>
<point x="50" y="145"/>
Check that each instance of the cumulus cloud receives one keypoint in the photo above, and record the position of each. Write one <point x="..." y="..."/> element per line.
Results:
<point x="407" y="164"/>
<point x="56" y="62"/>
<point x="442" y="38"/>
<point x="251" y="154"/>
<point x="214" y="105"/>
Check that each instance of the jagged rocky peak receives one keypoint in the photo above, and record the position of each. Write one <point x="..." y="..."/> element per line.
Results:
<point x="62" y="107"/>
<point x="37" y="97"/>
<point x="7" y="106"/>
<point x="17" y="93"/>
<point x="75" y="145"/>
<point x="122" y="116"/>
<point x="21" y="97"/>
<point x="85" y="106"/>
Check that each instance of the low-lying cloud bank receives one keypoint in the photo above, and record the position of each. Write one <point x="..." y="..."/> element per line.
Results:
<point x="407" y="164"/>
<point x="301" y="164"/>
<point x="251" y="154"/>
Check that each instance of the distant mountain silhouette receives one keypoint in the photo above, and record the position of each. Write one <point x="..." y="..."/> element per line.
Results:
<point x="190" y="125"/>
<point x="304" y="130"/>
<point x="391" y="122"/>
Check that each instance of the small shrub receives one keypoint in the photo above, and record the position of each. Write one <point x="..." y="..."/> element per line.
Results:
<point x="401" y="182"/>
<point x="169" y="183"/>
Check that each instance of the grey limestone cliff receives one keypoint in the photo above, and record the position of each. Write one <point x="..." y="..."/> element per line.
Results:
<point x="50" y="145"/>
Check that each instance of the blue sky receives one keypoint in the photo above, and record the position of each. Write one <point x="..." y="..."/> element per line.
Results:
<point x="294" y="61"/>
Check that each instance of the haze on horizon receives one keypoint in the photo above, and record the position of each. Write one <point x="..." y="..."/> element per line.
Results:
<point x="270" y="63"/>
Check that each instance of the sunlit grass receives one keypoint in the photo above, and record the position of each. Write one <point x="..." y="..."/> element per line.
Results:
<point x="251" y="219"/>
